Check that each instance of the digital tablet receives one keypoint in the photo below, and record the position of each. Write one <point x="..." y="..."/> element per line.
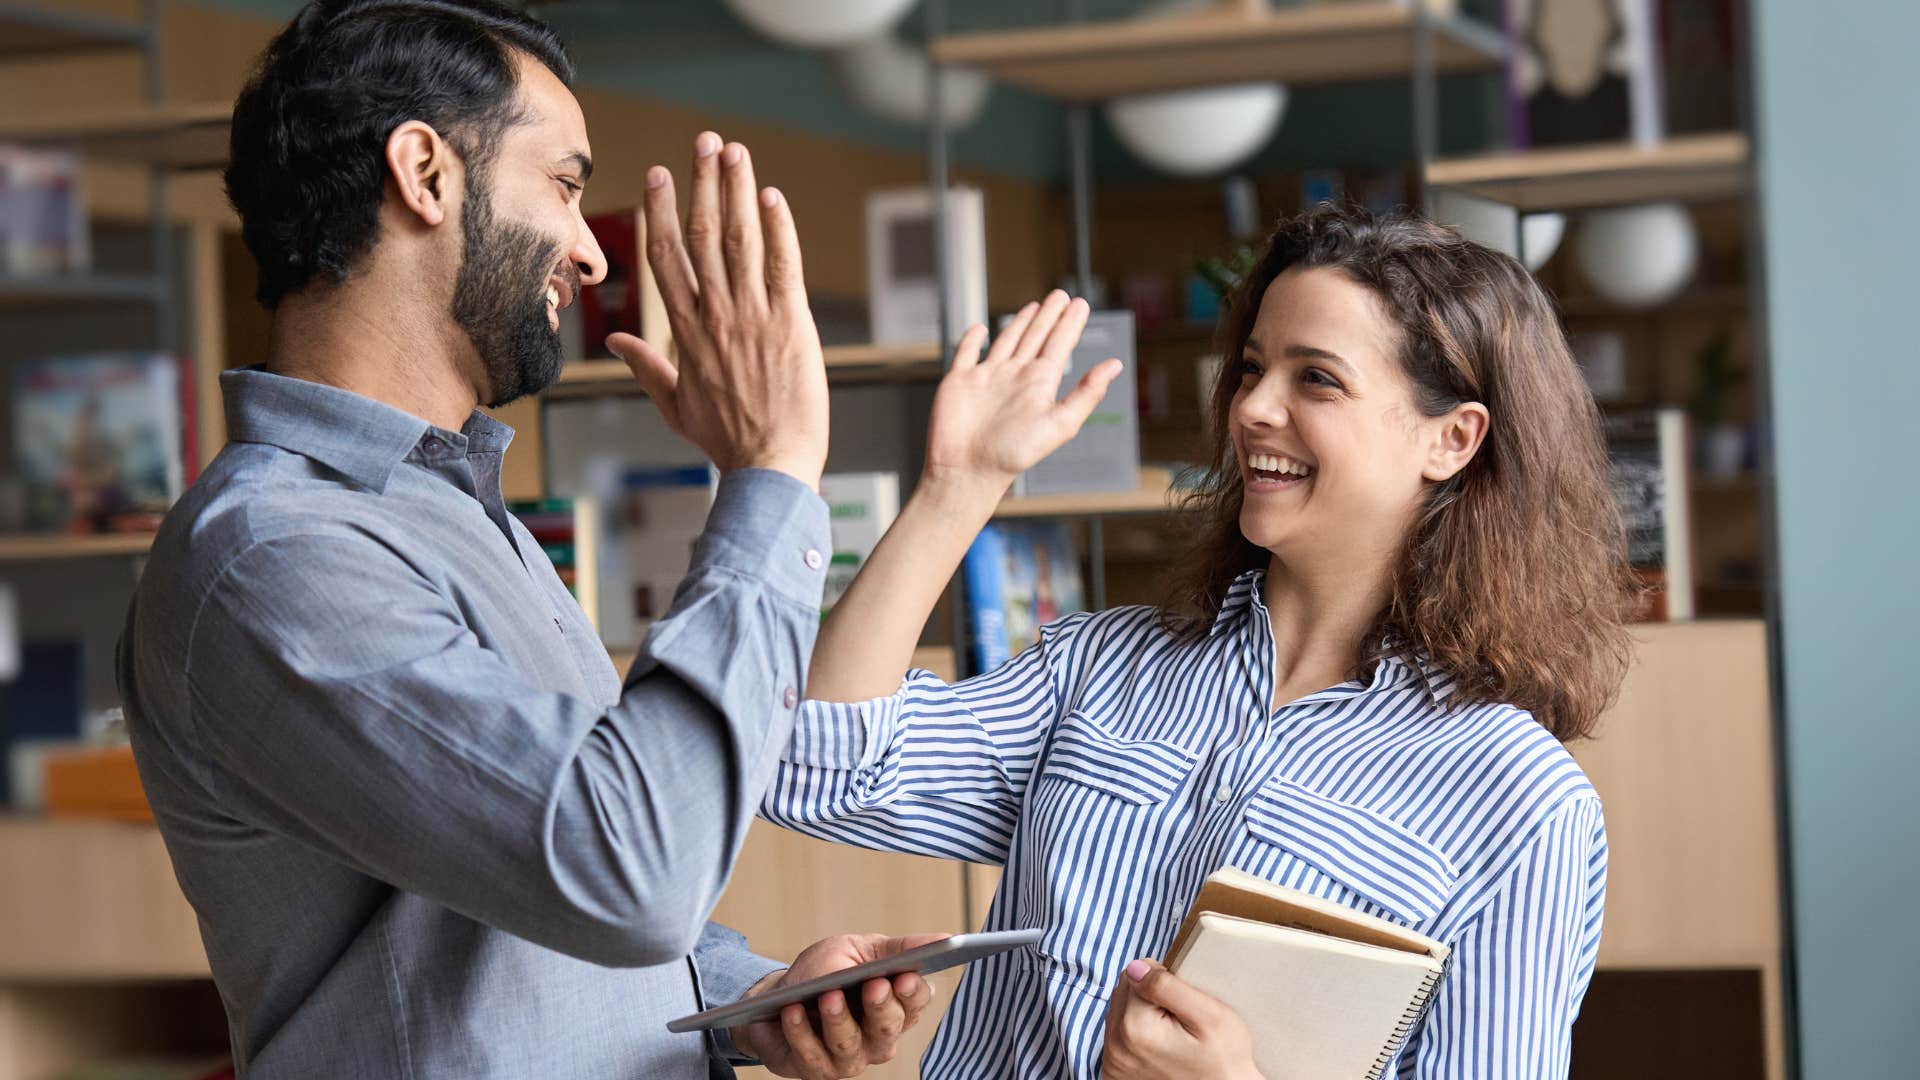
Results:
<point x="949" y="953"/>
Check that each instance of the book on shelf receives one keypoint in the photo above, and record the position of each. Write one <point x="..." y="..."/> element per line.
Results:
<point x="568" y="532"/>
<point x="102" y="441"/>
<point x="860" y="509"/>
<point x="615" y="304"/>
<point x="1105" y="454"/>
<point x="1583" y="71"/>
<point x="1648" y="453"/>
<point x="1018" y="577"/>
<point x="903" y="291"/>
<point x="652" y="528"/>
<point x="43" y="213"/>
<point x="1330" y="993"/>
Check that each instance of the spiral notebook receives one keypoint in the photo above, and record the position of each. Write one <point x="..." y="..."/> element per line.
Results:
<point x="1330" y="993"/>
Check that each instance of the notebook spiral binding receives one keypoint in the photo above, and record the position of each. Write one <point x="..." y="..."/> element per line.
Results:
<point x="1410" y="1022"/>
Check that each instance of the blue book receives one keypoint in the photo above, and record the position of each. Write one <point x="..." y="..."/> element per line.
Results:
<point x="984" y="572"/>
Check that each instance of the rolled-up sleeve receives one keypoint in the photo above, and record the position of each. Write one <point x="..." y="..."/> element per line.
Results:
<point x="935" y="769"/>
<point x="347" y="702"/>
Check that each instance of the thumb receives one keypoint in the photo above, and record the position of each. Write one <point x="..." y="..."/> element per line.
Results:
<point x="1079" y="402"/>
<point x="1156" y="985"/>
<point x="654" y="372"/>
<point x="894" y="946"/>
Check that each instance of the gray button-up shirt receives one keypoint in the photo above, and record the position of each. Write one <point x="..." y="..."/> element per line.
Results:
<point x="427" y="831"/>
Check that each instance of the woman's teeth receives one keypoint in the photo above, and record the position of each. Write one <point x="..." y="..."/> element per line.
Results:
<point x="1274" y="463"/>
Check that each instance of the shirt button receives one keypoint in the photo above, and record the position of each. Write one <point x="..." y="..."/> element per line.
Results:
<point x="790" y="698"/>
<point x="815" y="560"/>
<point x="1224" y="795"/>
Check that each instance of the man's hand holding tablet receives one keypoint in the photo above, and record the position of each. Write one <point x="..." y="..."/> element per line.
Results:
<point x="865" y="988"/>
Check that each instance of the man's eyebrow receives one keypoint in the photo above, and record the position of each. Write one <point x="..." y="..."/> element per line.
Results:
<point x="579" y="160"/>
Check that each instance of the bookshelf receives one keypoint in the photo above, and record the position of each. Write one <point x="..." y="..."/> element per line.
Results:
<point x="900" y="363"/>
<point x="1153" y="496"/>
<point x="40" y="548"/>
<point x="1684" y="168"/>
<point x="33" y="32"/>
<point x="173" y="136"/>
<point x="63" y="289"/>
<point x="1302" y="45"/>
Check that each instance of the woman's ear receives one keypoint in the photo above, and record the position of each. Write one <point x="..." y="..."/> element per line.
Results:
<point x="1456" y="437"/>
<point x="421" y="166"/>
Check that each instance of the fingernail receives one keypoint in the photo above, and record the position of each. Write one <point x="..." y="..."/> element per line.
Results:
<point x="732" y="154"/>
<point x="707" y="144"/>
<point x="833" y="1006"/>
<point x="656" y="176"/>
<point x="1138" y="970"/>
<point x="769" y="198"/>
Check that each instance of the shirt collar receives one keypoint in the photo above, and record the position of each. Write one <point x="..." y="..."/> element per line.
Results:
<point x="1244" y="603"/>
<point x="356" y="436"/>
<point x="1240" y="598"/>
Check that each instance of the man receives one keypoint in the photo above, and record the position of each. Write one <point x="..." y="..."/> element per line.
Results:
<point x="427" y="830"/>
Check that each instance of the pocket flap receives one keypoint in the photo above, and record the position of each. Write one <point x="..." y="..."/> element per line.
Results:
<point x="1368" y="852"/>
<point x="1138" y="770"/>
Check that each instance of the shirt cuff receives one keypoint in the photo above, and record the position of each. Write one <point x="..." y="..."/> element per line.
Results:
<point x="771" y="527"/>
<point x="724" y="969"/>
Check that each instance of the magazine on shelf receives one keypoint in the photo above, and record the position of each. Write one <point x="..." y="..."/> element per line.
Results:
<point x="659" y="515"/>
<point x="100" y="440"/>
<point x="1648" y="451"/>
<point x="1018" y="577"/>
<point x="1105" y="454"/>
<point x="1583" y="71"/>
<point x="860" y="508"/>
<point x="43" y="213"/>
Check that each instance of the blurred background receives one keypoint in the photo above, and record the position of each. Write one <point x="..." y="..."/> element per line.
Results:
<point x="1711" y="191"/>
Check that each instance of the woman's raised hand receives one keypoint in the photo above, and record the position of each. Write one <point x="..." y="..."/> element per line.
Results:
<point x="996" y="416"/>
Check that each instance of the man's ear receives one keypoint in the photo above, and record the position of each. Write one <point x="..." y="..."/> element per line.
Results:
<point x="423" y="170"/>
<point x="1456" y="437"/>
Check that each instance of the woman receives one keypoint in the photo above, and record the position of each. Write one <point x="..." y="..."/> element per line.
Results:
<point x="1407" y="592"/>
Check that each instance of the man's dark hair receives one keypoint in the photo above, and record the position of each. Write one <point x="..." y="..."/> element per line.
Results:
<point x="308" y="165"/>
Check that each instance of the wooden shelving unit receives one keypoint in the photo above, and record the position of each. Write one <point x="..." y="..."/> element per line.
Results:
<point x="1153" y="496"/>
<point x="1686" y="168"/>
<point x="87" y="900"/>
<point x="902" y="363"/>
<point x="32" y="548"/>
<point x="59" y="289"/>
<point x="173" y="136"/>
<point x="38" y="32"/>
<point x="1304" y="45"/>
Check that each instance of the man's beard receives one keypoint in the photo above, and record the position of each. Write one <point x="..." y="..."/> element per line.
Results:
<point x="499" y="299"/>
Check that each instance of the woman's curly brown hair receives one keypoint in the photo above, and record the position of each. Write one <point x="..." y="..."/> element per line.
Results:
<point x="1513" y="581"/>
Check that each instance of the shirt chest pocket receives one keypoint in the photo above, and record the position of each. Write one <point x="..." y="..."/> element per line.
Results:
<point x="1091" y="841"/>
<point x="1343" y="852"/>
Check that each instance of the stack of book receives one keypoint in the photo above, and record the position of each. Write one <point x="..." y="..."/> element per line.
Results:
<point x="567" y="531"/>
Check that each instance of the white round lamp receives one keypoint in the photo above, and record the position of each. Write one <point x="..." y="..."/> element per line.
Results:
<point x="1638" y="256"/>
<point x="1540" y="236"/>
<point x="819" y="24"/>
<point x="1198" y="132"/>
<point x="888" y="78"/>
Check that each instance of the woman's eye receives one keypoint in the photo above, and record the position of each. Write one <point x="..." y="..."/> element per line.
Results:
<point x="1320" y="378"/>
<point x="1248" y="370"/>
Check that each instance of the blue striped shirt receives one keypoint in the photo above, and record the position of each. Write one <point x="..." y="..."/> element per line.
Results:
<point x="1111" y="767"/>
